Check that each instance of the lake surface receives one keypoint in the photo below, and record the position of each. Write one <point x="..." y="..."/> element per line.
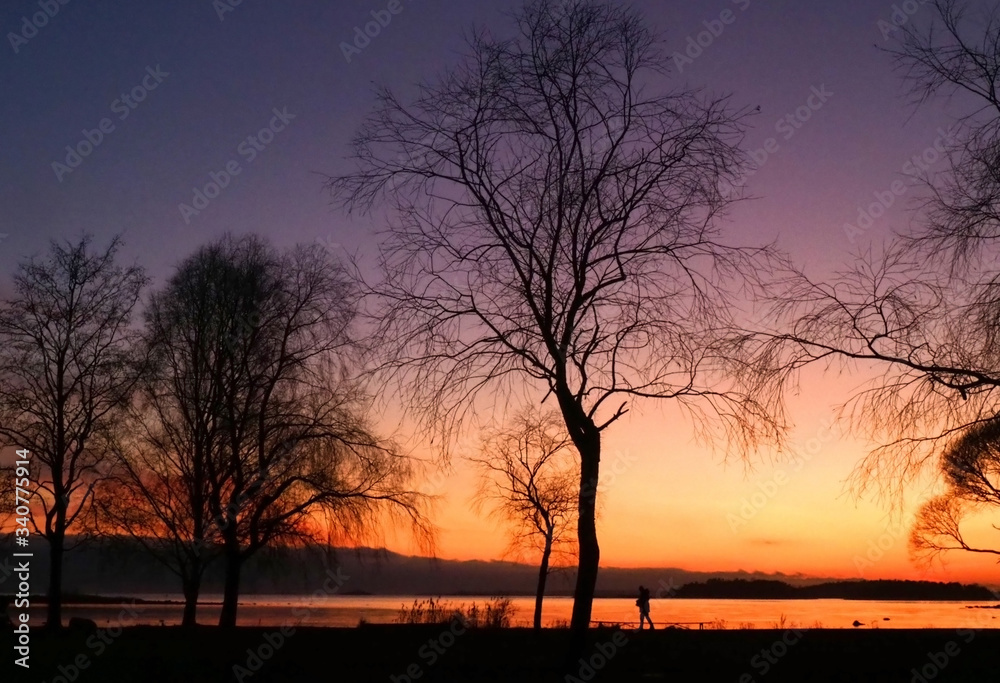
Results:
<point x="278" y="610"/>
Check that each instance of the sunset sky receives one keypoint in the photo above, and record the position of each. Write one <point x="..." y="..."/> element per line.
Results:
<point x="834" y="119"/>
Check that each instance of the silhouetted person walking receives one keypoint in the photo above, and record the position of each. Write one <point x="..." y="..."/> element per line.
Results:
<point x="643" y="604"/>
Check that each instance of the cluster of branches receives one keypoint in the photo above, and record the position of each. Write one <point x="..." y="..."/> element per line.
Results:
<point x="230" y="423"/>
<point x="926" y="310"/>
<point x="970" y="468"/>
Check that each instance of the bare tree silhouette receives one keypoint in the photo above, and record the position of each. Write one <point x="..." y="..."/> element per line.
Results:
<point x="68" y="367"/>
<point x="926" y="310"/>
<point x="552" y="221"/>
<point x="255" y="425"/>
<point x="971" y="469"/>
<point x="528" y="480"/>
<point x="958" y="54"/>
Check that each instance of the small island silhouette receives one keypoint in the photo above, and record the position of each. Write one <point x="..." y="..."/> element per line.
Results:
<point x="884" y="589"/>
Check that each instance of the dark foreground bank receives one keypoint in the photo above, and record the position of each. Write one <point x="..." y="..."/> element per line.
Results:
<point x="407" y="654"/>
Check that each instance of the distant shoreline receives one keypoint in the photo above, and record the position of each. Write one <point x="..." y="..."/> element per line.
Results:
<point x="833" y="591"/>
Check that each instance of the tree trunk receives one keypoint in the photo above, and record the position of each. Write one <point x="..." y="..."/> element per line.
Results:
<point x="589" y="446"/>
<point x="231" y="591"/>
<point x="192" y="588"/>
<point x="57" y="547"/>
<point x="543" y="574"/>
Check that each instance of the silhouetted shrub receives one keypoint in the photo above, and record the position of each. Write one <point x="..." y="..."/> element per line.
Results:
<point x="496" y="613"/>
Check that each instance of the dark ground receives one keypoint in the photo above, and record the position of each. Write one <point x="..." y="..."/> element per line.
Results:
<point x="384" y="653"/>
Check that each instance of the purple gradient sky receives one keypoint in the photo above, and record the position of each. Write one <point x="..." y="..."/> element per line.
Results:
<point x="225" y="76"/>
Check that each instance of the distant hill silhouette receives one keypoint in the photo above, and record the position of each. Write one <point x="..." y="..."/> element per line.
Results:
<point x="847" y="590"/>
<point x="118" y="566"/>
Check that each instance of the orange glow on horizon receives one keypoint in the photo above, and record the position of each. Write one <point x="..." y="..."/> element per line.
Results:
<point x="674" y="503"/>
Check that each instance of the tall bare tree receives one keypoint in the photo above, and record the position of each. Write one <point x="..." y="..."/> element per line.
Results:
<point x="254" y="414"/>
<point x="552" y="207"/>
<point x="528" y="480"/>
<point x="971" y="470"/>
<point x="68" y="367"/>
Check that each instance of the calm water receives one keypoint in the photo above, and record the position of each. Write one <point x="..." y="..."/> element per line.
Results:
<point x="261" y="610"/>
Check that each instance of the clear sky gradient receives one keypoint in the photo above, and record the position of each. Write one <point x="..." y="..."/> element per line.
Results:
<point x="168" y="93"/>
